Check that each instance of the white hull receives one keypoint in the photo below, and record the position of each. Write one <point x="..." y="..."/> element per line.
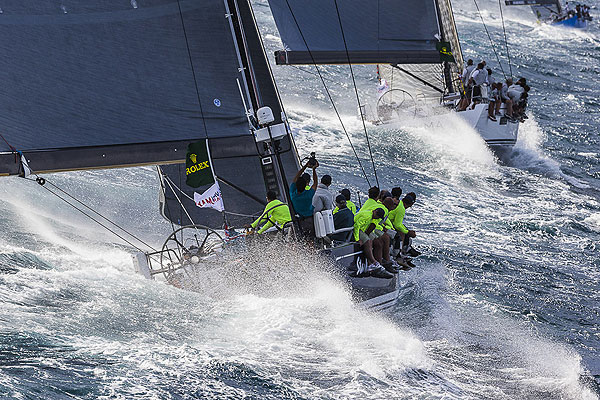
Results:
<point x="500" y="136"/>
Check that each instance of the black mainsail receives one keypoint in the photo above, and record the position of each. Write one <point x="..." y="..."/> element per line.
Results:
<point x="375" y="31"/>
<point x="107" y="84"/>
<point x="408" y="33"/>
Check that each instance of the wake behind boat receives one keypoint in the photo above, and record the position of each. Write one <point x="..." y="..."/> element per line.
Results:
<point x="426" y="110"/>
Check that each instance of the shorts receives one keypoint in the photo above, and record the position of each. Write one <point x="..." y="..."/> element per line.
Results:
<point x="476" y="91"/>
<point x="363" y="237"/>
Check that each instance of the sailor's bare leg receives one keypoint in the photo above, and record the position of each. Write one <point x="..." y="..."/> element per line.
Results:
<point x="368" y="250"/>
<point x="509" y="109"/>
<point x="377" y="250"/>
<point x="385" y="239"/>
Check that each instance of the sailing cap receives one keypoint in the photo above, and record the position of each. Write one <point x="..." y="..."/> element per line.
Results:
<point x="346" y="193"/>
<point x="340" y="199"/>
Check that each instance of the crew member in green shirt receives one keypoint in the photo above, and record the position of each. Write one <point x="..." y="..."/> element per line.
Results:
<point x="351" y="206"/>
<point x="275" y="212"/>
<point x="371" y="202"/>
<point x="404" y="234"/>
<point x="373" y="245"/>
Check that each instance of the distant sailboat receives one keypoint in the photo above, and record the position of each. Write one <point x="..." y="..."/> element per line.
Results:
<point x="116" y="85"/>
<point x="551" y="12"/>
<point x="416" y="46"/>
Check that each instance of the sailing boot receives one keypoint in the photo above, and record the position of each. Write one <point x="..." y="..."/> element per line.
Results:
<point x="381" y="273"/>
<point x="391" y="266"/>
<point x="413" y="252"/>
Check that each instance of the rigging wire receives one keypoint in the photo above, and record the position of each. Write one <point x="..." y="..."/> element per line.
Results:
<point x="328" y="93"/>
<point x="313" y="73"/>
<point x="505" y="39"/>
<point x="42" y="181"/>
<point x="171" y="184"/>
<point x="184" y="194"/>
<point x="163" y="191"/>
<point x="362" y="117"/>
<point x="262" y="46"/>
<point x="90" y="216"/>
<point x="97" y="213"/>
<point x="490" y="38"/>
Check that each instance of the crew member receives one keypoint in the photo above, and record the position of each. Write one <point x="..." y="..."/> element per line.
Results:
<point x="276" y="214"/>
<point x="306" y="177"/>
<point x="505" y="98"/>
<point x="343" y="218"/>
<point x="494" y="100"/>
<point x="322" y="200"/>
<point x="402" y="240"/>
<point x="469" y="67"/>
<point x="371" y="202"/>
<point x="478" y="77"/>
<point x="302" y="198"/>
<point x="364" y="225"/>
<point x="349" y="203"/>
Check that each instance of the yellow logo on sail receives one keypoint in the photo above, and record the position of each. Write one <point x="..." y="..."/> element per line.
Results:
<point x="445" y="51"/>
<point x="193" y="158"/>
<point x="196" y="167"/>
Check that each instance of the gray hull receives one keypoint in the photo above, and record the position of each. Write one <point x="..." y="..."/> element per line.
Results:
<point x="370" y="292"/>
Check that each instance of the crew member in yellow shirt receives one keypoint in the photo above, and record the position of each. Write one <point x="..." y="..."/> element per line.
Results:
<point x="276" y="214"/>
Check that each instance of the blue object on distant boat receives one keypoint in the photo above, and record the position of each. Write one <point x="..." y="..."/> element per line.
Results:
<point x="573" y="22"/>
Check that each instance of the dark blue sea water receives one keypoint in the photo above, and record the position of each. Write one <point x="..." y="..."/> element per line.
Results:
<point x="504" y="303"/>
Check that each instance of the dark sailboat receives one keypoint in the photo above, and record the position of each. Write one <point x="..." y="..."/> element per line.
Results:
<point x="417" y="49"/>
<point x="174" y="82"/>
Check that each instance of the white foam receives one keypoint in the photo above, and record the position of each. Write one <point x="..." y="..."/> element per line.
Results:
<point x="593" y="222"/>
<point x="528" y="154"/>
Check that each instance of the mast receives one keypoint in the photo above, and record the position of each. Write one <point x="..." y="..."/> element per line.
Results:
<point x="450" y="34"/>
<point x="249" y="40"/>
<point x="265" y="158"/>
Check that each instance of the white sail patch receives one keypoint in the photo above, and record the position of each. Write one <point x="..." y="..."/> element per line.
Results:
<point x="211" y="198"/>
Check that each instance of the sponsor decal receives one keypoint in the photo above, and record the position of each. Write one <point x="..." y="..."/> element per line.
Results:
<point x="198" y="171"/>
<point x="445" y="51"/>
<point x="211" y="198"/>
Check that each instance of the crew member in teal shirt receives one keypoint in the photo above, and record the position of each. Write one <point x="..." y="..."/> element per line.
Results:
<point x="302" y="198"/>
